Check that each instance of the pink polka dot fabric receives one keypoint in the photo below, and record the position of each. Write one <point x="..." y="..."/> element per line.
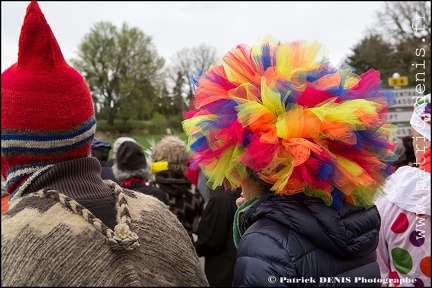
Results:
<point x="404" y="246"/>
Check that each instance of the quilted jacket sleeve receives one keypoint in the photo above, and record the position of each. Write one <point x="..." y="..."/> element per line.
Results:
<point x="261" y="259"/>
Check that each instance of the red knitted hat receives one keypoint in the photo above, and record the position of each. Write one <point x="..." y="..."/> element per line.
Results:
<point x="47" y="108"/>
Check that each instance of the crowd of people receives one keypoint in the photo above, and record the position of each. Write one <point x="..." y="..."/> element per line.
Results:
<point x="288" y="177"/>
<point x="65" y="225"/>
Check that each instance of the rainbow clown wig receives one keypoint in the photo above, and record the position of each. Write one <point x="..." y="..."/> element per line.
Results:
<point x="302" y="125"/>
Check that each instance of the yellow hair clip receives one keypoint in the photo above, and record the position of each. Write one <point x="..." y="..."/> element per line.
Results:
<point x="159" y="166"/>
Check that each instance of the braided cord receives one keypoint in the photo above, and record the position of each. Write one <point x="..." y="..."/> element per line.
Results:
<point x="123" y="214"/>
<point x="122" y="237"/>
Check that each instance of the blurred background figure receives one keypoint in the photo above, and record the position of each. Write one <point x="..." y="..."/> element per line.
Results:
<point x="192" y="174"/>
<point x="116" y="145"/>
<point x="203" y="187"/>
<point x="197" y="177"/>
<point x="185" y="200"/>
<point x="100" y="149"/>
<point x="215" y="236"/>
<point x="131" y="168"/>
<point x="406" y="153"/>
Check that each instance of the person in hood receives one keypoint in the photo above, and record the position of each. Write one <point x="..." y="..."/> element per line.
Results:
<point x="309" y="145"/>
<point x="185" y="200"/>
<point x="404" y="250"/>
<point x="406" y="153"/>
<point x="131" y="169"/>
<point x="116" y="145"/>
<point x="65" y="225"/>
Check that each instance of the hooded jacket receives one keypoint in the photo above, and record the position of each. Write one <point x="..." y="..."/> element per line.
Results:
<point x="299" y="239"/>
<point x="404" y="249"/>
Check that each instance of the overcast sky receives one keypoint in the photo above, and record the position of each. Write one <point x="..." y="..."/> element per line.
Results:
<point x="187" y="24"/>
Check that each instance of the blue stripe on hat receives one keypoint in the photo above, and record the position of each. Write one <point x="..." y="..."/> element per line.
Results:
<point x="48" y="135"/>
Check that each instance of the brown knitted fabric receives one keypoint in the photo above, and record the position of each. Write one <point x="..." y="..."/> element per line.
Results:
<point x="65" y="245"/>
<point x="172" y="149"/>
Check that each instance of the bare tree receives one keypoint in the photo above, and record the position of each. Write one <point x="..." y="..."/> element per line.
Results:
<point x="403" y="20"/>
<point x="406" y="27"/>
<point x="190" y="63"/>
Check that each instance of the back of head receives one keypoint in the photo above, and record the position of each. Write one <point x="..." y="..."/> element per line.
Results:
<point x="47" y="108"/>
<point x="407" y="142"/>
<point x="117" y="144"/>
<point x="130" y="157"/>
<point x="172" y="149"/>
<point x="281" y="111"/>
<point x="130" y="162"/>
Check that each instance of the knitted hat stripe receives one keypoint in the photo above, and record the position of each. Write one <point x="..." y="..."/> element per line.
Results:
<point x="41" y="135"/>
<point x="26" y="181"/>
<point x="31" y="166"/>
<point x="26" y="144"/>
<point x="39" y="154"/>
<point x="61" y="149"/>
<point x="21" y="172"/>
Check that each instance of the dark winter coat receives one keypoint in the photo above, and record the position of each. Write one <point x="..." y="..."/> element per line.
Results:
<point x="300" y="238"/>
<point x="153" y="191"/>
<point x="215" y="237"/>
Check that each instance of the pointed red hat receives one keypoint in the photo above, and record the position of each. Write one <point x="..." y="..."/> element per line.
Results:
<point x="47" y="108"/>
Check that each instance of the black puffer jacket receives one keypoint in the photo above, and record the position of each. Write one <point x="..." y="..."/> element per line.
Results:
<point x="300" y="239"/>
